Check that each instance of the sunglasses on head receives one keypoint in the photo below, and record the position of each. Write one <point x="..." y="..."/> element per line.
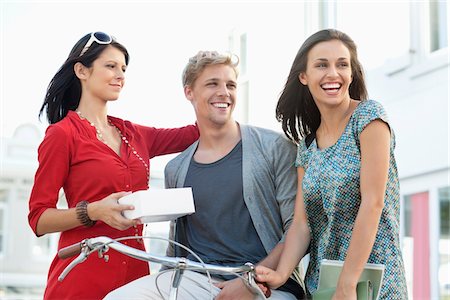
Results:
<point x="98" y="37"/>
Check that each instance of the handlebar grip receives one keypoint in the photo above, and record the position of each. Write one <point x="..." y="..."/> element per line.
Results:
<point x="70" y="251"/>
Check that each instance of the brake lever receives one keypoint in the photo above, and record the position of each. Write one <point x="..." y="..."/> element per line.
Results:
<point x="80" y="258"/>
<point x="101" y="253"/>
<point x="87" y="247"/>
<point x="252" y="283"/>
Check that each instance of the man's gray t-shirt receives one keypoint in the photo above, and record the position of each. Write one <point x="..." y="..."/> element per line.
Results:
<point x="221" y="230"/>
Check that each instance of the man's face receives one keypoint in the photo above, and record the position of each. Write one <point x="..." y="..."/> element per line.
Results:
<point x="213" y="95"/>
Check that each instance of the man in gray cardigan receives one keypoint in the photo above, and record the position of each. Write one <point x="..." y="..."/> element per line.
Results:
<point x="244" y="185"/>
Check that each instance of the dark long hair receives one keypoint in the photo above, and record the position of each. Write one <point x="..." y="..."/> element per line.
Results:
<point x="296" y="109"/>
<point x="64" y="91"/>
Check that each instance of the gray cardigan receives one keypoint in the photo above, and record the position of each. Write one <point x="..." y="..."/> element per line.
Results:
<point x="269" y="182"/>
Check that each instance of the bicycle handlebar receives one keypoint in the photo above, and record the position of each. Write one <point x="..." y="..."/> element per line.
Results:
<point x="70" y="251"/>
<point x="101" y="243"/>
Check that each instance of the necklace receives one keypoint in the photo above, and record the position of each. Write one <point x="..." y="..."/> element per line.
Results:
<point x="135" y="153"/>
<point x="123" y="138"/>
<point x="98" y="132"/>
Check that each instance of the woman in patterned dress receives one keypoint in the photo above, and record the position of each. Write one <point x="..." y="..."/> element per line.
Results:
<point x="347" y="205"/>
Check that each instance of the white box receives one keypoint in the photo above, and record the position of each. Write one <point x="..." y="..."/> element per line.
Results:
<point x="157" y="205"/>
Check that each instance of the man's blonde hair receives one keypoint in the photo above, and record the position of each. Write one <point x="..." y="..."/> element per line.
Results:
<point x="203" y="59"/>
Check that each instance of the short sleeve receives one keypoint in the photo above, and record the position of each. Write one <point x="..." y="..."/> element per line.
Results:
<point x="369" y="111"/>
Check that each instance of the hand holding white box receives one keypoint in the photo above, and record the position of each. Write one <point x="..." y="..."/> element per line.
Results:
<point x="157" y="205"/>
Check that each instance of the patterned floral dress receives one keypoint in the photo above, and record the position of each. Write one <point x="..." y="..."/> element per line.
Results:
<point x="331" y="187"/>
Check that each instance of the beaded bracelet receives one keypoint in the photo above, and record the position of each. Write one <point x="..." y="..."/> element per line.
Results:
<point x="82" y="215"/>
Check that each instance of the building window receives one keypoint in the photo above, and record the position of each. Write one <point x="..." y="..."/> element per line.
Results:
<point x="243" y="54"/>
<point x="444" y="208"/>
<point x="444" y="242"/>
<point x="407" y="212"/>
<point x="438" y="25"/>
<point x="2" y="228"/>
<point x="3" y="198"/>
<point x="238" y="44"/>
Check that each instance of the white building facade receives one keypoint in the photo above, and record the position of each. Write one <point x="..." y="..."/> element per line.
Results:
<point x="415" y="91"/>
<point x="24" y="259"/>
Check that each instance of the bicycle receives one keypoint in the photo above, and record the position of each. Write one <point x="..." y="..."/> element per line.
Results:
<point x="102" y="244"/>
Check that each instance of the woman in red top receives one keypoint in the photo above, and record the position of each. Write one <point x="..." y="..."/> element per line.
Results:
<point x="96" y="159"/>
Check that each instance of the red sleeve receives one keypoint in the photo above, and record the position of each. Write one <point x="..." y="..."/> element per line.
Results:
<point x="54" y="161"/>
<point x="161" y="141"/>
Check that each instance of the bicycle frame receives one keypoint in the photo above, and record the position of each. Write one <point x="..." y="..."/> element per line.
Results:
<point x="102" y="244"/>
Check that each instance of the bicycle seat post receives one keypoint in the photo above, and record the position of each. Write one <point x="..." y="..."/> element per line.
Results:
<point x="176" y="278"/>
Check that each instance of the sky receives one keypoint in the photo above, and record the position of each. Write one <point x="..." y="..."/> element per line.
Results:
<point x="37" y="36"/>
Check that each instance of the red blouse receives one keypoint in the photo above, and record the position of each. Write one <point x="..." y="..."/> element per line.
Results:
<point x="72" y="157"/>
